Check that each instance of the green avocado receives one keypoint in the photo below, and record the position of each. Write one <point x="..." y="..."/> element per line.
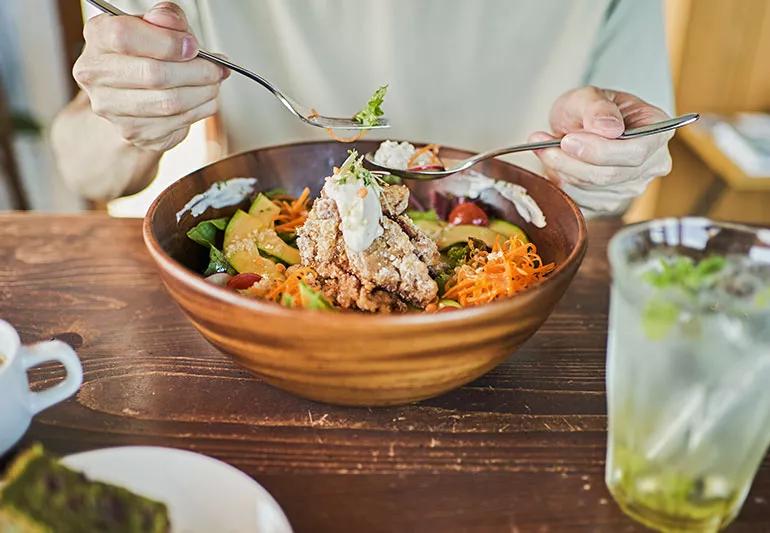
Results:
<point x="449" y="303"/>
<point x="509" y="230"/>
<point x="462" y="232"/>
<point x="246" y="236"/>
<point x="265" y="210"/>
<point x="432" y="228"/>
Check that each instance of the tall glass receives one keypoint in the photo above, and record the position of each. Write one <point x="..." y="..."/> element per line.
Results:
<point x="688" y="370"/>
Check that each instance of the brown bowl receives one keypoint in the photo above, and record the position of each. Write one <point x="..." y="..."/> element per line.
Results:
<point x="346" y="357"/>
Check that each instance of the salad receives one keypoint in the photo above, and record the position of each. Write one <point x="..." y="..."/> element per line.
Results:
<point x="359" y="246"/>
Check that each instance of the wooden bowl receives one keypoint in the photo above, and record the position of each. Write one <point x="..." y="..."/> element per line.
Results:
<point x="354" y="358"/>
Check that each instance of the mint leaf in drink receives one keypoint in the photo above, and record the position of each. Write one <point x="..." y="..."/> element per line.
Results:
<point x="684" y="273"/>
<point x="658" y="318"/>
<point x="370" y="114"/>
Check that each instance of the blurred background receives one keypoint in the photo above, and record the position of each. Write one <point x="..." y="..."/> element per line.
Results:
<point x="720" y="60"/>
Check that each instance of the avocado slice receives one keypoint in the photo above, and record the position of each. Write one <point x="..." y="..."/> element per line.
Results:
<point x="432" y="228"/>
<point x="462" y="232"/>
<point x="449" y="303"/>
<point x="246" y="236"/>
<point x="265" y="210"/>
<point x="509" y="230"/>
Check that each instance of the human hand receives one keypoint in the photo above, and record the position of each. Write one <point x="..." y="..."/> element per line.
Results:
<point x="141" y="75"/>
<point x="601" y="172"/>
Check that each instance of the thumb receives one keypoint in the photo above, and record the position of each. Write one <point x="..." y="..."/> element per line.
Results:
<point x="587" y="109"/>
<point x="167" y="15"/>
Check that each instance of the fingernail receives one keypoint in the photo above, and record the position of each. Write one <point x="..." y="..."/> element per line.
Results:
<point x="572" y="146"/>
<point x="168" y="12"/>
<point x="189" y="47"/>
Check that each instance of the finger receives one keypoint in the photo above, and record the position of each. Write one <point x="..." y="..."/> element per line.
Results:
<point x="128" y="72"/>
<point x="167" y="15"/>
<point x="636" y="112"/>
<point x="149" y="103"/>
<point x="540" y="136"/>
<point x="581" y="172"/>
<point x="147" y="131"/>
<point x="587" y="109"/>
<point x="597" y="150"/>
<point x="133" y="36"/>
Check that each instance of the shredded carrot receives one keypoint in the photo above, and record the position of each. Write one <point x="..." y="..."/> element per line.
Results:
<point x="313" y="113"/>
<point x="510" y="267"/>
<point x="431" y="149"/>
<point x="359" y="134"/>
<point x="293" y="211"/>
<point x="290" y="285"/>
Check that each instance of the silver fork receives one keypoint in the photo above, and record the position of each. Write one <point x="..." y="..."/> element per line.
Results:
<point x="465" y="164"/>
<point x="302" y="112"/>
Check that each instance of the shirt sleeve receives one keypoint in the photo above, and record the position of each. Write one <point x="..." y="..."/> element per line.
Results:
<point x="630" y="53"/>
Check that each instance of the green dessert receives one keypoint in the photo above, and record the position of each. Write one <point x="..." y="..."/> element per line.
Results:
<point x="40" y="495"/>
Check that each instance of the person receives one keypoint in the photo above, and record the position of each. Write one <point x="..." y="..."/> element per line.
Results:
<point x="476" y="75"/>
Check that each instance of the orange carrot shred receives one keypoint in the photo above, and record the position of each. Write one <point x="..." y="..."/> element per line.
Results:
<point x="509" y="268"/>
<point x="359" y="134"/>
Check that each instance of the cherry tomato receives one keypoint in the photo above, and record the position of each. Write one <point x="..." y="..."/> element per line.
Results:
<point x="468" y="213"/>
<point x="243" y="281"/>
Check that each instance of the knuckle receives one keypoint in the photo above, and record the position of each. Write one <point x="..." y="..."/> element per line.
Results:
<point x="170" y="103"/>
<point x="120" y="36"/>
<point x="99" y="106"/>
<point x="82" y="72"/>
<point x="664" y="167"/>
<point x="155" y="74"/>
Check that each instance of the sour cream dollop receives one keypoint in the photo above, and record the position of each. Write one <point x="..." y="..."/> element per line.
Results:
<point x="359" y="209"/>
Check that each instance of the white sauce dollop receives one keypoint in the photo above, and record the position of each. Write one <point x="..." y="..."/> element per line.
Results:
<point x="360" y="216"/>
<point x="220" y="194"/>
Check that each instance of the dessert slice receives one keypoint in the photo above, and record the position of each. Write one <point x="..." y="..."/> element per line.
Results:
<point x="40" y="495"/>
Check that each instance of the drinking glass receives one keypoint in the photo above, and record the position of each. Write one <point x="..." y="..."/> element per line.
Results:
<point x="688" y="370"/>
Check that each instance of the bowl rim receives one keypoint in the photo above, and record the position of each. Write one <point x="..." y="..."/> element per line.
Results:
<point x="184" y="275"/>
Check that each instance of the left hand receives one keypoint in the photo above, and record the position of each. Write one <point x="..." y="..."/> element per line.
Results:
<point x="601" y="172"/>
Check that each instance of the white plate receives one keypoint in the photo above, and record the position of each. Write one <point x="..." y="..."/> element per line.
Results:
<point x="202" y="494"/>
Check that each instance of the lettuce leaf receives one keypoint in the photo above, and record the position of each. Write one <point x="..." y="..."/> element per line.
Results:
<point x="370" y="114"/>
<point x="205" y="233"/>
<point x="218" y="263"/>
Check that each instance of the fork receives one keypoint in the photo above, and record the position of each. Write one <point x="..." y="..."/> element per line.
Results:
<point x="465" y="164"/>
<point x="302" y="112"/>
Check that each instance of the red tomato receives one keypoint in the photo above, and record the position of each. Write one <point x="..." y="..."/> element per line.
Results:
<point x="468" y="213"/>
<point x="243" y="281"/>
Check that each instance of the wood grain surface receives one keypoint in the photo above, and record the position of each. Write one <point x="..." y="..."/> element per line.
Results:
<point x="519" y="449"/>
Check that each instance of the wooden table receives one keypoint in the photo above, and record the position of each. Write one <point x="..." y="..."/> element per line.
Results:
<point x="520" y="449"/>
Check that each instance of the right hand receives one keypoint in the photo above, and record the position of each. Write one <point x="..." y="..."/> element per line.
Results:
<point x="141" y="75"/>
